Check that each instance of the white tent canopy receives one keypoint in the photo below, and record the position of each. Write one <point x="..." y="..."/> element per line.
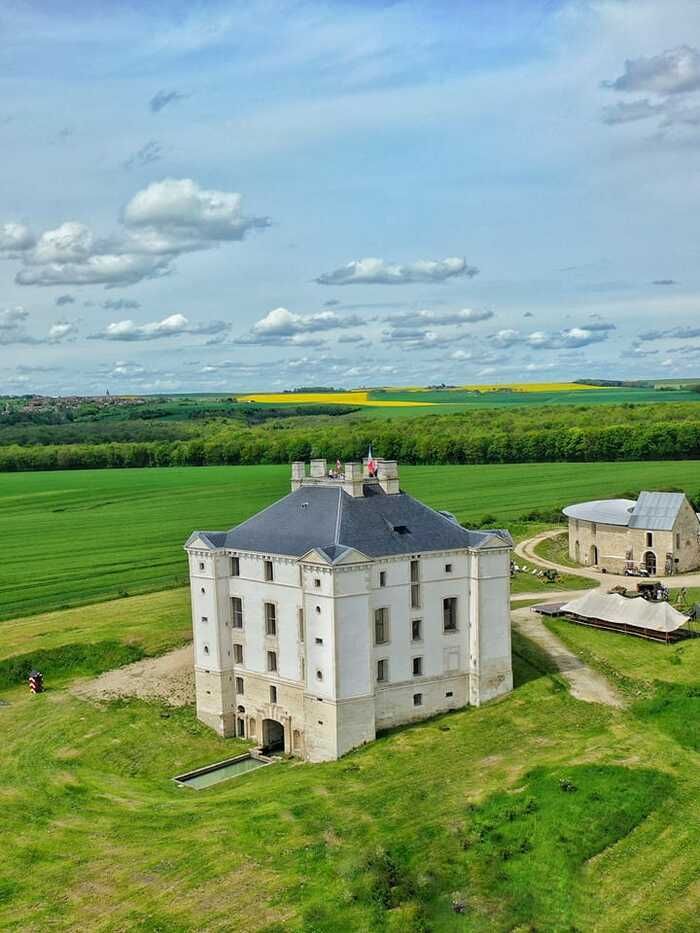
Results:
<point x="622" y="610"/>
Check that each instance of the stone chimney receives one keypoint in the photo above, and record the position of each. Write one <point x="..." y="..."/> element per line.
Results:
<point x="298" y="474"/>
<point x="318" y="469"/>
<point x="388" y="475"/>
<point x="352" y="484"/>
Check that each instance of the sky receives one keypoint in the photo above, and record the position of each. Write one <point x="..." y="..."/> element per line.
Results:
<point x="261" y="195"/>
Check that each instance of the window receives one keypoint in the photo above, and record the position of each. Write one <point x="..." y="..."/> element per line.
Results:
<point x="269" y="575"/>
<point x="417" y="699"/>
<point x="317" y="582"/>
<point x="273" y="694"/>
<point x="417" y="667"/>
<point x="201" y="565"/>
<point x="449" y="693"/>
<point x="416" y="630"/>
<point x="319" y="675"/>
<point x="300" y="618"/>
<point x="650" y="539"/>
<point x="270" y="619"/>
<point x="449" y="614"/>
<point x="319" y="641"/>
<point x="239" y="685"/>
<point x="205" y="619"/>
<point x="272" y="660"/>
<point x="238" y="654"/>
<point x="237" y="612"/>
<point x="415" y="584"/>
<point x="206" y="649"/>
<point x="448" y="568"/>
<point x="318" y="609"/>
<point x="381" y="626"/>
<point x="382" y="577"/>
<point x="235" y="567"/>
<point x="202" y="591"/>
<point x="678" y="542"/>
<point x="382" y="671"/>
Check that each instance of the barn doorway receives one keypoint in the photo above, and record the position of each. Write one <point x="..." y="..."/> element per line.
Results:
<point x="650" y="562"/>
<point x="273" y="735"/>
<point x="594" y="555"/>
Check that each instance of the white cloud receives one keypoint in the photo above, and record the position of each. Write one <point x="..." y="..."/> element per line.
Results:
<point x="13" y="330"/>
<point x="13" y="318"/>
<point x="172" y="326"/>
<point x="674" y="71"/>
<point x="15" y="238"/>
<point x="61" y="330"/>
<point x="429" y="318"/>
<point x="566" y="339"/>
<point x="179" y="208"/>
<point x="506" y="338"/>
<point x="162" y="221"/>
<point x="378" y="272"/>
<point x="282" y="326"/>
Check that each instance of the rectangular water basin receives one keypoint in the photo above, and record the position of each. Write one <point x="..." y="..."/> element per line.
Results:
<point x="221" y="771"/>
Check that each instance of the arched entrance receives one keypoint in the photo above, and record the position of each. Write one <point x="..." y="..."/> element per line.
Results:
<point x="594" y="555"/>
<point x="650" y="562"/>
<point x="273" y="735"/>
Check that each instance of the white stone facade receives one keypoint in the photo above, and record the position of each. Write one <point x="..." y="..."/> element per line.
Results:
<point x="311" y="664"/>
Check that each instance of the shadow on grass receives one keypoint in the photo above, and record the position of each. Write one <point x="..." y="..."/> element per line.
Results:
<point x="530" y="662"/>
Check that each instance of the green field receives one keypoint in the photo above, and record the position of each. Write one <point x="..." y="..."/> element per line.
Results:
<point x="536" y="812"/>
<point x="86" y="535"/>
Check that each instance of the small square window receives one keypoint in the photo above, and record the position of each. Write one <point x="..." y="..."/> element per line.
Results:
<point x="319" y="641"/>
<point x="417" y="699"/>
<point x="201" y="565"/>
<point x="319" y="675"/>
<point x="205" y="619"/>
<point x="449" y="693"/>
<point x="317" y="582"/>
<point x="417" y="667"/>
<point x="382" y="577"/>
<point x="202" y="591"/>
<point x="206" y="649"/>
<point x="448" y="568"/>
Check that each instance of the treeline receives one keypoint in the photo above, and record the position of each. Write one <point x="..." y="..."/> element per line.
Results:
<point x="446" y="439"/>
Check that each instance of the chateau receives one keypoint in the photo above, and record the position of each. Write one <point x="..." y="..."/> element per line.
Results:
<point x="659" y="532"/>
<point x="343" y="608"/>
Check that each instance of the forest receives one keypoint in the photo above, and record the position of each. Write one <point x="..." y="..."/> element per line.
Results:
<point x="506" y="435"/>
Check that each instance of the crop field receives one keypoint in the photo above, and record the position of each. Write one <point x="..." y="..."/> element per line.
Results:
<point x="536" y="812"/>
<point x="413" y="400"/>
<point x="82" y="536"/>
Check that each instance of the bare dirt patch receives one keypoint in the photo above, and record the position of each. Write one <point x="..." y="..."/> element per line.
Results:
<point x="169" y="678"/>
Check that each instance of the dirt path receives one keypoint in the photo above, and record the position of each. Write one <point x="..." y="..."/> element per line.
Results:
<point x="169" y="678"/>
<point x="526" y="550"/>
<point x="586" y="684"/>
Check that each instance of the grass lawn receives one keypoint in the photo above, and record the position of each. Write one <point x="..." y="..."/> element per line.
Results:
<point x="88" y="535"/>
<point x="534" y="812"/>
<point x="556" y="550"/>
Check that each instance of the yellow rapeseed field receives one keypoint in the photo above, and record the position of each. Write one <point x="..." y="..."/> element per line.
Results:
<point x="325" y="398"/>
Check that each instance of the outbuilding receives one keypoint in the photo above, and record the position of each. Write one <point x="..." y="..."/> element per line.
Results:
<point x="658" y="533"/>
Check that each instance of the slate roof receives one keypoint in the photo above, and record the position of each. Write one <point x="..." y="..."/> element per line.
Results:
<point x="328" y="519"/>
<point x="653" y="511"/>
